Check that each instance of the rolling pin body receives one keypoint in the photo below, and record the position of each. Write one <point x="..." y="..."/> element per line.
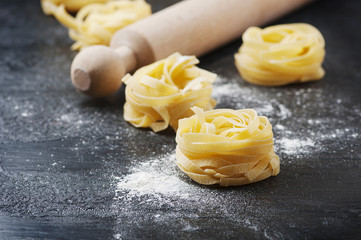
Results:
<point x="191" y="27"/>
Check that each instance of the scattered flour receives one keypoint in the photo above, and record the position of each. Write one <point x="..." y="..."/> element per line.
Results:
<point x="279" y="127"/>
<point x="226" y="92"/>
<point x="295" y="146"/>
<point x="189" y="228"/>
<point x="265" y="109"/>
<point x="157" y="184"/>
<point x="225" y="89"/>
<point x="284" y="112"/>
<point x="117" y="236"/>
<point x="158" y="175"/>
<point x="149" y="182"/>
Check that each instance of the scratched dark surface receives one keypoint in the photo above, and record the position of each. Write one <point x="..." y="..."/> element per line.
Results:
<point x="60" y="151"/>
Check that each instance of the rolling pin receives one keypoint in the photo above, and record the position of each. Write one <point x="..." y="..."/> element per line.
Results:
<point x="191" y="27"/>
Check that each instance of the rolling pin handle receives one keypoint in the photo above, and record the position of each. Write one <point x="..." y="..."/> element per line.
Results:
<point x="128" y="56"/>
<point x="97" y="71"/>
<point x="81" y="79"/>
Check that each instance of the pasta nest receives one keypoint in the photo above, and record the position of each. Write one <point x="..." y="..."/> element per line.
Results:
<point x="160" y="94"/>
<point x="226" y="147"/>
<point x="96" y="23"/>
<point x="281" y="54"/>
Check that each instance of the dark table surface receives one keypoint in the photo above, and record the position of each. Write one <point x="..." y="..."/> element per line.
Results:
<point x="72" y="168"/>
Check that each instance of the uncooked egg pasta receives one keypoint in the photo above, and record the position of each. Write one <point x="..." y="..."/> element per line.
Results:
<point x="70" y="5"/>
<point x="160" y="94"/>
<point x="96" y="23"/>
<point x="226" y="147"/>
<point x="281" y="54"/>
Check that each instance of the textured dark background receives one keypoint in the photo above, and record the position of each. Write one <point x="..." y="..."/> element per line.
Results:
<point x="62" y="154"/>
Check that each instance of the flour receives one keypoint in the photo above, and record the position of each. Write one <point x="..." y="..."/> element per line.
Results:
<point x="225" y="92"/>
<point x="284" y="112"/>
<point x="149" y="182"/>
<point x="158" y="175"/>
<point x="25" y="114"/>
<point x="295" y="146"/>
<point x="279" y="127"/>
<point x="165" y="193"/>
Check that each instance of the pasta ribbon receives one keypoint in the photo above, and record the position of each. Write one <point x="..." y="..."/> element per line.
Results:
<point x="160" y="94"/>
<point x="281" y="54"/>
<point x="96" y="23"/>
<point x="226" y="147"/>
<point x="70" y="5"/>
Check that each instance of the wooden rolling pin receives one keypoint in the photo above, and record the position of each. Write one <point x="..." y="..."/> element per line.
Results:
<point x="191" y="27"/>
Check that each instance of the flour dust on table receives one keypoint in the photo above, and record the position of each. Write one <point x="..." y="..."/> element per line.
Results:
<point x="157" y="177"/>
<point x="157" y="185"/>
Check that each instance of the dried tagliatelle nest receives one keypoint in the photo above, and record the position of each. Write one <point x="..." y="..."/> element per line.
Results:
<point x="96" y="23"/>
<point x="281" y="54"/>
<point x="160" y="94"/>
<point x="226" y="147"/>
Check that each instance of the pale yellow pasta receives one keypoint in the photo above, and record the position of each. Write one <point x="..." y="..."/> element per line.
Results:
<point x="160" y="94"/>
<point x="281" y="54"/>
<point x="226" y="147"/>
<point x="96" y="23"/>
<point x="70" y="5"/>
